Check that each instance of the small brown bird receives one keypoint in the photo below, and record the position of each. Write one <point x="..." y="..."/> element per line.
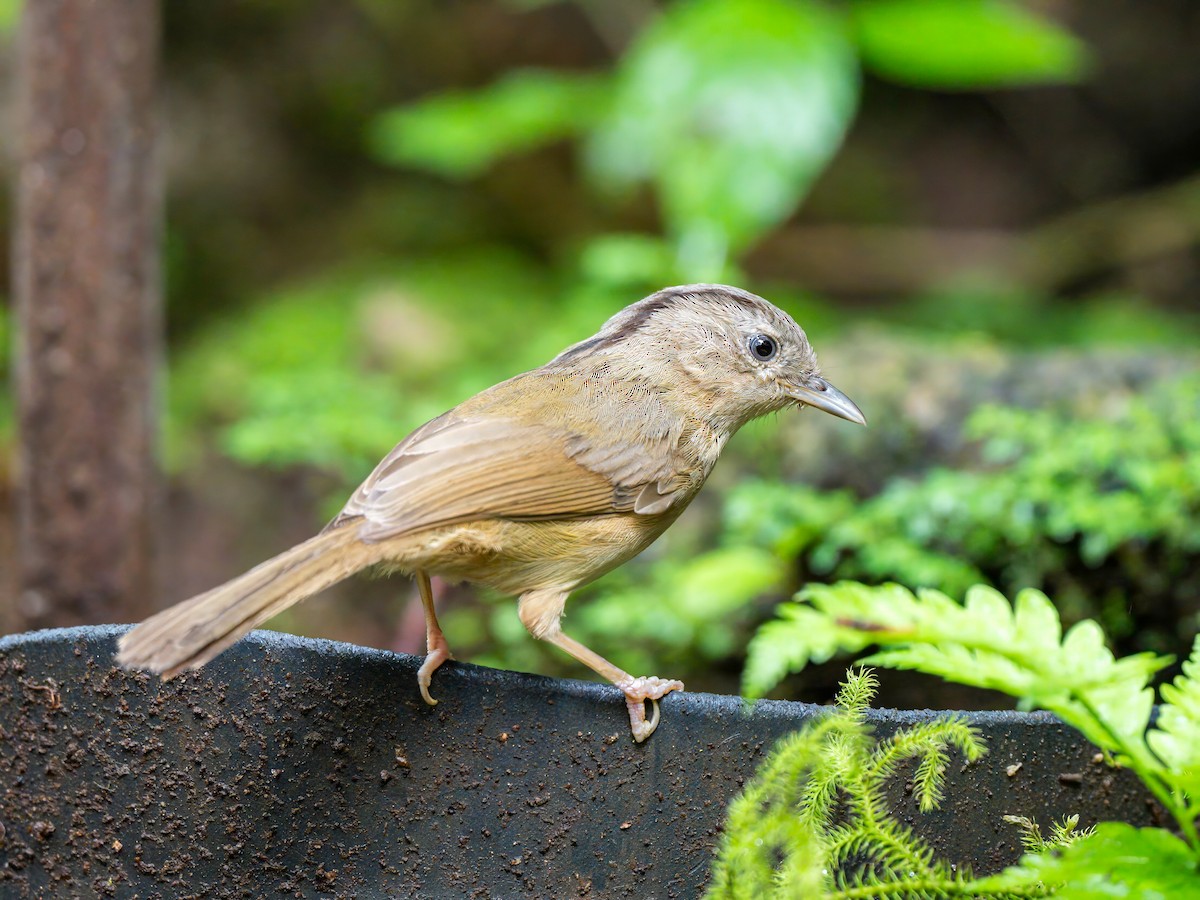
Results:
<point x="540" y="484"/>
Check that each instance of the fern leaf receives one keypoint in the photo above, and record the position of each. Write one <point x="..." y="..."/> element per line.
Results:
<point x="927" y="780"/>
<point x="1068" y="831"/>
<point x="1176" y="735"/>
<point x="1062" y="833"/>
<point x="984" y="642"/>
<point x="856" y="693"/>
<point x="1118" y="860"/>
<point x="1031" y="833"/>
<point x="763" y="837"/>
<point x="1036" y="621"/>
<point x="774" y="653"/>
<point x="928" y="742"/>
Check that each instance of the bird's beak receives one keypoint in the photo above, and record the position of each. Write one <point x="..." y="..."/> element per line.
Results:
<point x="820" y="394"/>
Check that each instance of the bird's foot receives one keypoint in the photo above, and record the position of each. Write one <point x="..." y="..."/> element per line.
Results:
<point x="637" y="691"/>
<point x="439" y="652"/>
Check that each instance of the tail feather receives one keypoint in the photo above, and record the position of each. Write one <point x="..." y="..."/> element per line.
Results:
<point x="191" y="633"/>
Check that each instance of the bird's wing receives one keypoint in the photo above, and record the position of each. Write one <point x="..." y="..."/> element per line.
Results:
<point x="460" y="468"/>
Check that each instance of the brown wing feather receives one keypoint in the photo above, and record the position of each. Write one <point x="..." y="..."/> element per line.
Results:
<point x="467" y="469"/>
<point x="480" y="461"/>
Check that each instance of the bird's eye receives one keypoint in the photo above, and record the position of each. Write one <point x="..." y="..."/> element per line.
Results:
<point x="762" y="347"/>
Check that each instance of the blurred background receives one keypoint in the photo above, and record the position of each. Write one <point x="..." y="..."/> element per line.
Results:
<point x="985" y="213"/>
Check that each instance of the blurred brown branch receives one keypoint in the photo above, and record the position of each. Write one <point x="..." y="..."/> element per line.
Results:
<point x="1096" y="239"/>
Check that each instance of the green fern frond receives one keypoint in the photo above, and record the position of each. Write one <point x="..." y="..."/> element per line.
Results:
<point x="886" y="848"/>
<point x="1031" y="833"/>
<point x="1117" y="860"/>
<point x="1062" y="833"/>
<point x="1176" y="735"/>
<point x="1019" y="649"/>
<point x="763" y="837"/>
<point x="857" y="692"/>
<point x="774" y="652"/>
<point x="1068" y="831"/>
<point x="927" y="741"/>
<point x="781" y="838"/>
<point x="820" y="791"/>
<point x="928" y="777"/>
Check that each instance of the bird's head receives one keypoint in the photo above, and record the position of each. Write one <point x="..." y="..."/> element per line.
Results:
<point x="744" y="356"/>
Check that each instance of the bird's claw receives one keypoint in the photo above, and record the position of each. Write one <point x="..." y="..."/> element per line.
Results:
<point x="637" y="691"/>
<point x="438" y="654"/>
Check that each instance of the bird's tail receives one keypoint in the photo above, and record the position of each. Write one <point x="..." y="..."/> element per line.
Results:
<point x="191" y="633"/>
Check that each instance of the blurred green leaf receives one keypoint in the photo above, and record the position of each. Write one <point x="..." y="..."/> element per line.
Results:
<point x="328" y="417"/>
<point x="964" y="44"/>
<point x="627" y="259"/>
<point x="730" y="108"/>
<point x="460" y="133"/>
<point x="643" y="263"/>
<point x="10" y="16"/>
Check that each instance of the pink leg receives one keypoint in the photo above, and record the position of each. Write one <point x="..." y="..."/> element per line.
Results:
<point x="437" y="650"/>
<point x="540" y="613"/>
<point x="637" y="690"/>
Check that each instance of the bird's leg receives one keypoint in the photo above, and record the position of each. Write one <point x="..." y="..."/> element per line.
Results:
<point x="637" y="690"/>
<point x="437" y="651"/>
<point x="540" y="612"/>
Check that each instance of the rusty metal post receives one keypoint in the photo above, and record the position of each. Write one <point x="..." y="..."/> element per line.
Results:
<point x="87" y="290"/>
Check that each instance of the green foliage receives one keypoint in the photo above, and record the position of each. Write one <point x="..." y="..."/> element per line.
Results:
<point x="985" y="642"/>
<point x="334" y="372"/>
<point x="636" y="259"/>
<point x="815" y="820"/>
<point x="459" y="134"/>
<point x="1061" y="833"/>
<point x="727" y="109"/>
<point x="1058" y="497"/>
<point x="963" y="43"/>
<point x="10" y="15"/>
<point x="1118" y="860"/>
<point x="1019" y="649"/>
<point x="1176" y="737"/>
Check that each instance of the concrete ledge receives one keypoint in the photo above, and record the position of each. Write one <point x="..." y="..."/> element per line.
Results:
<point x="304" y="767"/>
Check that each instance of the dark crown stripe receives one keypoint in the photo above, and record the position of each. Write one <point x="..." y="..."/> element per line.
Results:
<point x="640" y="313"/>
